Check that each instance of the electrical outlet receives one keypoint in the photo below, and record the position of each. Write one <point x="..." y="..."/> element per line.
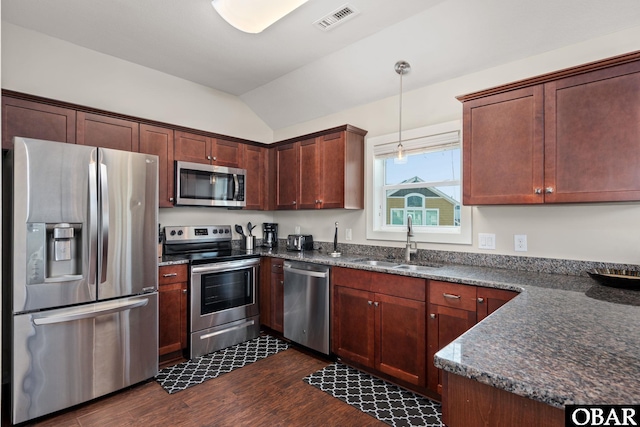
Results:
<point x="486" y="241"/>
<point x="520" y="242"/>
<point x="347" y="234"/>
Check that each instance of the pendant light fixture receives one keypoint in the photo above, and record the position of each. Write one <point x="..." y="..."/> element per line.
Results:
<point x="253" y="16"/>
<point x="401" y="67"/>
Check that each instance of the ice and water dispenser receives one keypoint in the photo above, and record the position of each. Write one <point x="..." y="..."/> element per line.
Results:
<point x="54" y="252"/>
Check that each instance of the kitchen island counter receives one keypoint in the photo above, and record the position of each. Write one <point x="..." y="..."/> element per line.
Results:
<point x="563" y="340"/>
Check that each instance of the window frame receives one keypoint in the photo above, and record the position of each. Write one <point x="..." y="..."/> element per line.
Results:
<point x="374" y="168"/>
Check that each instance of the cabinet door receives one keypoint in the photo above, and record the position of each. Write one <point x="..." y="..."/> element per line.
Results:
<point x="107" y="132"/>
<point x="277" y="295"/>
<point x="171" y="320"/>
<point x="254" y="159"/>
<point x="353" y="325"/>
<point x="226" y="153"/>
<point x="265" y="291"/>
<point x="444" y="324"/>
<point x="400" y="330"/>
<point x="159" y="141"/>
<point x="309" y="176"/>
<point x="592" y="148"/>
<point x="287" y="180"/>
<point x="34" y="120"/>
<point x="503" y="148"/>
<point x="332" y="170"/>
<point x="189" y="147"/>
<point x="489" y="300"/>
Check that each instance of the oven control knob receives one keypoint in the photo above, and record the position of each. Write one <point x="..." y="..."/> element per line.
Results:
<point x="215" y="231"/>
<point x="173" y="232"/>
<point x="226" y="231"/>
<point x="179" y="232"/>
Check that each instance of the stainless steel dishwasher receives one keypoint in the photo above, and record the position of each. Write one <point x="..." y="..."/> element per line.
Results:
<point x="306" y="304"/>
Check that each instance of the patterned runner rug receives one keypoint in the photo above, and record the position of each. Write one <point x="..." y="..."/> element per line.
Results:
<point x="387" y="402"/>
<point x="198" y="370"/>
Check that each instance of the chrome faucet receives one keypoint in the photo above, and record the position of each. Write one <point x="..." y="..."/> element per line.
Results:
<point x="411" y="247"/>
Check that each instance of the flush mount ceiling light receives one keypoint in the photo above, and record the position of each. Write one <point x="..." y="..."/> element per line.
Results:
<point x="253" y="16"/>
<point x="401" y="67"/>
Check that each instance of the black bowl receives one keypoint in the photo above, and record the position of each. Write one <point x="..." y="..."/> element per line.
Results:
<point x="625" y="279"/>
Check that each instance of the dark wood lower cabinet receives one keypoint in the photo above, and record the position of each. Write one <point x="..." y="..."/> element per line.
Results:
<point x="382" y="330"/>
<point x="172" y="310"/>
<point x="468" y="403"/>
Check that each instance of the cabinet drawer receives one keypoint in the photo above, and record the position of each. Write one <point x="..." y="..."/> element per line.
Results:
<point x="172" y="274"/>
<point x="399" y="286"/>
<point x="351" y="278"/>
<point x="452" y="295"/>
<point x="276" y="265"/>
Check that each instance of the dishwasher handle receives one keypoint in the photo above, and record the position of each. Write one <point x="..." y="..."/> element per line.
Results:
<point x="320" y="274"/>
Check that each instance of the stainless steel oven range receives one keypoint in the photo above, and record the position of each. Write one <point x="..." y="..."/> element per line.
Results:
<point x="223" y="300"/>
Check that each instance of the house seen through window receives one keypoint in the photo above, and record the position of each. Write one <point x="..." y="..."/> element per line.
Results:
<point x="427" y="187"/>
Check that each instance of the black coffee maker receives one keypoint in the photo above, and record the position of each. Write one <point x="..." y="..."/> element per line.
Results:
<point x="270" y="234"/>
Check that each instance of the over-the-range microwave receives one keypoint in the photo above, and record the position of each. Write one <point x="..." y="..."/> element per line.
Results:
<point x="207" y="185"/>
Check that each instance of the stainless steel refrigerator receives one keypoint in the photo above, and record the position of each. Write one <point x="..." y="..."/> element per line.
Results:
<point x="83" y="273"/>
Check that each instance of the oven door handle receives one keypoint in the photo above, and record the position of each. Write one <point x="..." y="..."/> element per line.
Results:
<point x="225" y="266"/>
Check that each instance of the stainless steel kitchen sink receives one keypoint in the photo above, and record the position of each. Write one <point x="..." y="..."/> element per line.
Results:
<point x="377" y="263"/>
<point x="411" y="267"/>
<point x="396" y="265"/>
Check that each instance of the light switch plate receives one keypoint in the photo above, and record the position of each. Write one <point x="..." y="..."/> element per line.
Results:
<point x="486" y="241"/>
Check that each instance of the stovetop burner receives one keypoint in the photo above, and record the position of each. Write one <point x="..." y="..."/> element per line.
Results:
<point x="201" y="244"/>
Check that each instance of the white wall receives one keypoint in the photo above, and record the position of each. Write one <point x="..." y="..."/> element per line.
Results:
<point x="40" y="65"/>
<point x="595" y="232"/>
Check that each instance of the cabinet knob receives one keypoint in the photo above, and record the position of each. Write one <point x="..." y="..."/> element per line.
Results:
<point x="171" y="199"/>
<point x="432" y="315"/>
<point x="376" y="303"/>
<point x="209" y="158"/>
<point x="548" y="190"/>
<point x="369" y="302"/>
<point x="282" y="282"/>
<point x="318" y="202"/>
<point x="538" y="191"/>
<point x="184" y="291"/>
<point x="480" y="300"/>
<point x="215" y="158"/>
<point x="293" y="203"/>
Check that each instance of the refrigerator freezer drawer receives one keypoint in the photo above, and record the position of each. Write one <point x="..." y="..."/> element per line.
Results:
<point x="68" y="356"/>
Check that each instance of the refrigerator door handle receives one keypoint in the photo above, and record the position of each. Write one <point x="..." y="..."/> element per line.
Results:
<point x="93" y="219"/>
<point x="104" y="226"/>
<point x="109" y="308"/>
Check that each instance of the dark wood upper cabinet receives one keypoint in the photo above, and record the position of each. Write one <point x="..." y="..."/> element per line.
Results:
<point x="196" y="148"/>
<point x="159" y="141"/>
<point x="503" y="162"/>
<point x="592" y="136"/>
<point x="226" y="153"/>
<point x="190" y="147"/>
<point x="568" y="136"/>
<point x="107" y="132"/>
<point x="36" y="120"/>
<point x="254" y="160"/>
<point x="287" y="165"/>
<point x="329" y="172"/>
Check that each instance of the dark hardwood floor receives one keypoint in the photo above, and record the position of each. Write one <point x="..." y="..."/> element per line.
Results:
<point x="269" y="392"/>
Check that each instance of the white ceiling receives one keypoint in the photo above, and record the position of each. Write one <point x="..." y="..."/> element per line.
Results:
<point x="294" y="72"/>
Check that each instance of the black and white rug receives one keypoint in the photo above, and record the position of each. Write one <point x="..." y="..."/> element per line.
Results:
<point x="198" y="370"/>
<point x="387" y="402"/>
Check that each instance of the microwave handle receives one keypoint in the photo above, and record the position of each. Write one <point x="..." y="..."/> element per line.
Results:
<point x="236" y="184"/>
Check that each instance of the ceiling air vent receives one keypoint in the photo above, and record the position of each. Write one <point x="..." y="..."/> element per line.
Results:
<point x="336" y="17"/>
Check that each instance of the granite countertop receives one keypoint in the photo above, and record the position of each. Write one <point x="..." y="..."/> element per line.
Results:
<point x="563" y="340"/>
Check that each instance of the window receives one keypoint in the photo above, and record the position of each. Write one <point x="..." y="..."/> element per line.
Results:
<point x="427" y="187"/>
